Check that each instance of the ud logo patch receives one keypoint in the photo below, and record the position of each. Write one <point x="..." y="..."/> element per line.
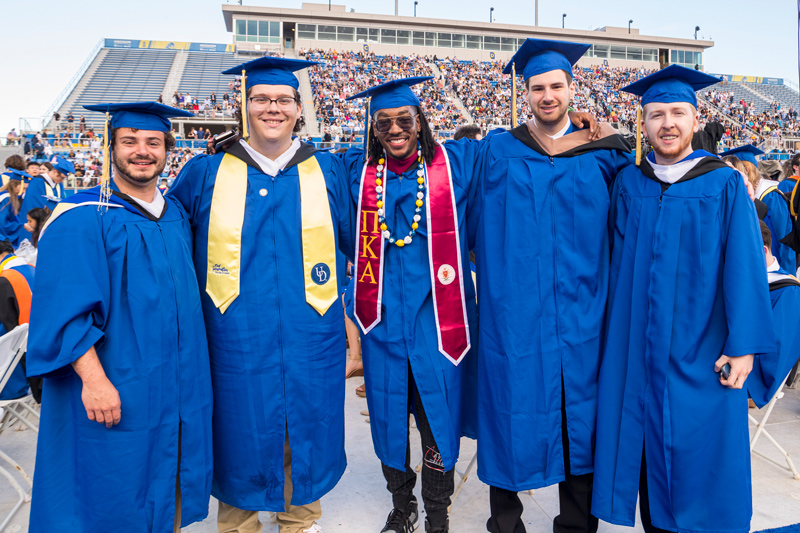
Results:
<point x="446" y="274"/>
<point x="219" y="269"/>
<point x="320" y="274"/>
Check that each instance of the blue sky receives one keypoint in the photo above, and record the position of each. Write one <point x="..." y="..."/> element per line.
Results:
<point x="46" y="41"/>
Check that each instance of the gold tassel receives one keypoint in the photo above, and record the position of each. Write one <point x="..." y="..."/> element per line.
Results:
<point x="638" y="135"/>
<point x="513" y="96"/>
<point x="245" y="130"/>
<point x="105" y="178"/>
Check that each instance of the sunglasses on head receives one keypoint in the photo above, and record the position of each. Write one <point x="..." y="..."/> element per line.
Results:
<point x="404" y="122"/>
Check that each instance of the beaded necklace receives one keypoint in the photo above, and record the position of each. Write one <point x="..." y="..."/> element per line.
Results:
<point x="387" y="234"/>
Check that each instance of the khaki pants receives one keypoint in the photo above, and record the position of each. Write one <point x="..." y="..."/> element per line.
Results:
<point x="295" y="519"/>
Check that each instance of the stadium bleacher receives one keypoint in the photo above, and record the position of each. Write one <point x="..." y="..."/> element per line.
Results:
<point x="125" y="75"/>
<point x="202" y="74"/>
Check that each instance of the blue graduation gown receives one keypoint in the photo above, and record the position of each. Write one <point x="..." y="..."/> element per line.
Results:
<point x="781" y="227"/>
<point x="276" y="364"/>
<point x="133" y="295"/>
<point x="10" y="226"/>
<point x="542" y="264"/>
<point x="786" y="186"/>
<point x="770" y="370"/>
<point x="36" y="196"/>
<point x="406" y="334"/>
<point x="687" y="279"/>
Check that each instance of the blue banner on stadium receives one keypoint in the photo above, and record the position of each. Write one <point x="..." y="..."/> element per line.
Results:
<point x="750" y="79"/>
<point x="169" y="45"/>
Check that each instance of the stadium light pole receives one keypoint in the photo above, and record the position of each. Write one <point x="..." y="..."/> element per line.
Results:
<point x="491" y="10"/>
<point x="629" y="25"/>
<point x="536" y="9"/>
<point x="696" y="29"/>
<point x="564" y="16"/>
<point x="395" y="7"/>
<point x="415" y="7"/>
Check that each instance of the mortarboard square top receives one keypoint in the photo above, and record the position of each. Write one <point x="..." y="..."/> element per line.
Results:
<point x="149" y="116"/>
<point x="395" y="93"/>
<point x="672" y="84"/>
<point x="62" y="165"/>
<point x="270" y="70"/>
<point x="537" y="56"/>
<point x="748" y="152"/>
<point x="18" y="175"/>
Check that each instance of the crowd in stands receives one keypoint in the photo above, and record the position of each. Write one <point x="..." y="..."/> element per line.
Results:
<point x="211" y="106"/>
<point x="343" y="74"/>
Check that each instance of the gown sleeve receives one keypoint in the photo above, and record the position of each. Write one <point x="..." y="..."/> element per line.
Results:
<point x="188" y="186"/>
<point x="68" y="315"/>
<point x="744" y="284"/>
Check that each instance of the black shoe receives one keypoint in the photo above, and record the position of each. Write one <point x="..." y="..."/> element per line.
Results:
<point x="402" y="521"/>
<point x="429" y="529"/>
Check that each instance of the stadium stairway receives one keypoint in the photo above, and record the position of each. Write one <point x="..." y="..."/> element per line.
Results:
<point x="78" y="90"/>
<point x="8" y="151"/>
<point x="174" y="76"/>
<point x="724" y="115"/>
<point x="453" y="96"/>
<point x="309" y="113"/>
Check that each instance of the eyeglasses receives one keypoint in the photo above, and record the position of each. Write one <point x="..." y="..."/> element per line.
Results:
<point x="404" y="122"/>
<point x="264" y="102"/>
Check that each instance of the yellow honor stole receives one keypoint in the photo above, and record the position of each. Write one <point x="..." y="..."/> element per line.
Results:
<point x="225" y="234"/>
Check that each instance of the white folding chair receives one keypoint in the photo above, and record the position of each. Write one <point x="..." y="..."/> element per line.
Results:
<point x="12" y="347"/>
<point x="761" y="430"/>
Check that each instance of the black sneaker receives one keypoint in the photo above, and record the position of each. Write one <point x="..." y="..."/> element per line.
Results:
<point x="429" y="529"/>
<point x="402" y="521"/>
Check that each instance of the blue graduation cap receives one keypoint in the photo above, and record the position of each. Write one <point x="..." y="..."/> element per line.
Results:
<point x="748" y="152"/>
<point x="62" y="165"/>
<point x="395" y="93"/>
<point x="150" y="116"/>
<point x="270" y="71"/>
<point x="537" y="56"/>
<point x="672" y="84"/>
<point x="17" y="175"/>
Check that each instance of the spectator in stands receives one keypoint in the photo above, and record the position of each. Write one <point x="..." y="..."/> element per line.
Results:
<point x="301" y="449"/>
<point x="70" y="121"/>
<point x="82" y="125"/>
<point x="175" y="99"/>
<point x="12" y="137"/>
<point x="108" y="358"/>
<point x="213" y="98"/>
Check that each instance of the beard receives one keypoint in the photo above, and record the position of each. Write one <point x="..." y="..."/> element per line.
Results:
<point x="136" y="176"/>
<point x="673" y="151"/>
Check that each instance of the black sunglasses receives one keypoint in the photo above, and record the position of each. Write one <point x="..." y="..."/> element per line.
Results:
<point x="404" y="122"/>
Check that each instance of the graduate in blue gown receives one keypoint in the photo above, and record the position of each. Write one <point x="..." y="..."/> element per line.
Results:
<point x="125" y="433"/>
<point x="16" y="281"/>
<point x="770" y="370"/>
<point x="10" y="203"/>
<point x="404" y="369"/>
<point x="275" y="326"/>
<point x="779" y="217"/>
<point x="686" y="283"/>
<point x="542" y="263"/>
<point x="787" y="184"/>
<point x="45" y="190"/>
